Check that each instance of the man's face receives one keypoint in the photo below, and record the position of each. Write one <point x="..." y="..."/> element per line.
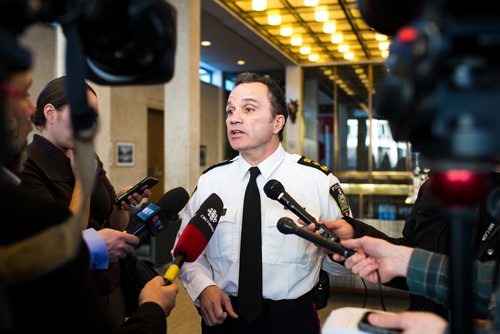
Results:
<point x="251" y="128"/>
<point x="18" y="110"/>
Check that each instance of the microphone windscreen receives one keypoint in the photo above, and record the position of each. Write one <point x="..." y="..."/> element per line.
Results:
<point x="273" y="188"/>
<point x="286" y="225"/>
<point x="173" y="201"/>
<point x="200" y="229"/>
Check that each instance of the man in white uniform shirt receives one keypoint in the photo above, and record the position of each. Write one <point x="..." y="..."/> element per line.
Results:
<point x="256" y="115"/>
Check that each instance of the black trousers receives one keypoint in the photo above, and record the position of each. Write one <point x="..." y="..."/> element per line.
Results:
<point x="288" y="316"/>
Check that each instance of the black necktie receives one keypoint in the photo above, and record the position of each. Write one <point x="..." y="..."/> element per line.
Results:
<point x="250" y="281"/>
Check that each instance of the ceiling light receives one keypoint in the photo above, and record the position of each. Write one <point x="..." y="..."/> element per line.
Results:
<point x="349" y="55"/>
<point x="337" y="38"/>
<point x="305" y="50"/>
<point x="383" y="46"/>
<point x="343" y="48"/>
<point x="384" y="53"/>
<point x="321" y="14"/>
<point x="206" y="43"/>
<point x="274" y="18"/>
<point x="296" y="40"/>
<point x="311" y="3"/>
<point x="314" y="57"/>
<point x="380" y="37"/>
<point x="241" y="62"/>
<point x="286" y="30"/>
<point x="329" y="27"/>
<point x="259" y="5"/>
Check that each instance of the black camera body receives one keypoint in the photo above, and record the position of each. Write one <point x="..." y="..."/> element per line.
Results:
<point x="443" y="89"/>
<point x="123" y="41"/>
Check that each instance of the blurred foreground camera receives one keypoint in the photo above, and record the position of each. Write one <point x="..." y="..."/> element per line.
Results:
<point x="124" y="41"/>
<point x="443" y="89"/>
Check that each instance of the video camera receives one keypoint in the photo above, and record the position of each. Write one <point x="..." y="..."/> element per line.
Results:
<point x="443" y="89"/>
<point x="443" y="95"/>
<point x="109" y="42"/>
<point x="123" y="41"/>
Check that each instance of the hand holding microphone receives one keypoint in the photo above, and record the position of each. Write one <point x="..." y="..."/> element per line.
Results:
<point x="287" y="226"/>
<point x="276" y="191"/>
<point x="152" y="219"/>
<point x="195" y="236"/>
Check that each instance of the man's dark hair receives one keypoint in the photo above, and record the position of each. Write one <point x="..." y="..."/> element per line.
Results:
<point x="54" y="93"/>
<point x="275" y="93"/>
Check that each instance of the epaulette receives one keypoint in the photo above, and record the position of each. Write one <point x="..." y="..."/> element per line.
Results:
<point x="311" y="163"/>
<point x="225" y="162"/>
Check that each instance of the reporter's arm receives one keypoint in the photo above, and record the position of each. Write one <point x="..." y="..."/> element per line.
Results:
<point x="428" y="276"/>
<point x="98" y="252"/>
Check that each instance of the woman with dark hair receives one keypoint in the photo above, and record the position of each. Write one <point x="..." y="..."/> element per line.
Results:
<point x="50" y="171"/>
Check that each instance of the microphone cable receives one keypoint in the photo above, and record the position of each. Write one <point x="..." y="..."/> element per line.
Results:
<point x="380" y="291"/>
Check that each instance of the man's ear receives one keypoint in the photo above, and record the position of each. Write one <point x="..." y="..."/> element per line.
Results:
<point x="279" y="123"/>
<point x="50" y="112"/>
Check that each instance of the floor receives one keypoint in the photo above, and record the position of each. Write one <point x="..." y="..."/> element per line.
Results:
<point x="184" y="318"/>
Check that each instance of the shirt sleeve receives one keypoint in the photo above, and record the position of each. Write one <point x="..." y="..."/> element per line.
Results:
<point x="98" y="251"/>
<point x="428" y="276"/>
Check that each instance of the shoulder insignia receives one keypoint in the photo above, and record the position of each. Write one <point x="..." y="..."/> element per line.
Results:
<point x="311" y="163"/>
<point x="225" y="162"/>
<point x="340" y="198"/>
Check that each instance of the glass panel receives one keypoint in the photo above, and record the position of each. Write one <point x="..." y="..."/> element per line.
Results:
<point x="344" y="131"/>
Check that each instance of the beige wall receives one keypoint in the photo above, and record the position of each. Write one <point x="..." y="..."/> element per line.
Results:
<point x="40" y="39"/>
<point x="212" y="124"/>
<point x="128" y="123"/>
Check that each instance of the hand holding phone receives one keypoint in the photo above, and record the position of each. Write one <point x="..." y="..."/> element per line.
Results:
<point x="146" y="183"/>
<point x="364" y="325"/>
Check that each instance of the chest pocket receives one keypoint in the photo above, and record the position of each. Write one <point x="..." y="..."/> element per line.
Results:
<point x="225" y="241"/>
<point x="284" y="248"/>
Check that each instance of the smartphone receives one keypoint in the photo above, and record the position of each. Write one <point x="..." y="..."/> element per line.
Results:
<point x="146" y="183"/>
<point x="364" y="325"/>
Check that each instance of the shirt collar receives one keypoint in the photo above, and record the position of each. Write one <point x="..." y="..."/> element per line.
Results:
<point x="9" y="177"/>
<point x="266" y="167"/>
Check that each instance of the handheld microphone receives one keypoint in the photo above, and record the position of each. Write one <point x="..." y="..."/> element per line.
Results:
<point x="287" y="226"/>
<point x="153" y="218"/>
<point x="195" y="236"/>
<point x="275" y="190"/>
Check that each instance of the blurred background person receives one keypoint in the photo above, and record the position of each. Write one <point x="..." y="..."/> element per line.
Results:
<point x="50" y="171"/>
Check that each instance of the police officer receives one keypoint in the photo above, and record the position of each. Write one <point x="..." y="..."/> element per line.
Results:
<point x="256" y="116"/>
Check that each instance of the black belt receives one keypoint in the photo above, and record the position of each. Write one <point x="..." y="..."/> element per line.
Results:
<point x="278" y="307"/>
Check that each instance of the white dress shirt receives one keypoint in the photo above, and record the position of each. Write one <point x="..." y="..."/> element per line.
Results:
<point x="290" y="264"/>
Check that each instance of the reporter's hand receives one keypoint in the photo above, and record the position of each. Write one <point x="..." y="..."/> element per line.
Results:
<point x="135" y="199"/>
<point x="340" y="228"/>
<point x="390" y="260"/>
<point x="410" y="322"/>
<point x="118" y="243"/>
<point x="215" y="306"/>
<point x="157" y="292"/>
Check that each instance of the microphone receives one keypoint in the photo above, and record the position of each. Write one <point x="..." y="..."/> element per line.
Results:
<point x="287" y="226"/>
<point x="195" y="236"/>
<point x="276" y="191"/>
<point x="153" y="218"/>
